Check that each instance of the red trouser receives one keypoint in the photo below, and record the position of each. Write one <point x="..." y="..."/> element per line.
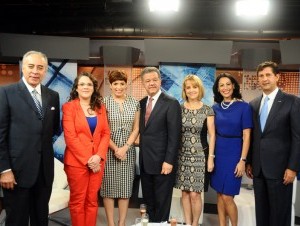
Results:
<point x="84" y="186"/>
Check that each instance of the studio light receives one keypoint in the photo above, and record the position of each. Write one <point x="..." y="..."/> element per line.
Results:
<point x="252" y="8"/>
<point x="164" y="5"/>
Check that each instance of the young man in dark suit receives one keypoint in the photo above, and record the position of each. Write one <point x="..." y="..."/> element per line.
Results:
<point x="160" y="134"/>
<point x="274" y="156"/>
<point x="29" y="118"/>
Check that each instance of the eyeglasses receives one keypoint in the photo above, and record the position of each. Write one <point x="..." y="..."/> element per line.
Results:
<point x="85" y="84"/>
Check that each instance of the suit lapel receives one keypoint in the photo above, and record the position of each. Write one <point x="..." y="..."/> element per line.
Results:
<point x="256" y="106"/>
<point x="26" y="96"/>
<point x="98" y="126"/>
<point x="275" y="108"/>
<point x="82" y="118"/>
<point x="156" y="108"/>
<point x="45" y="100"/>
<point x="143" y="112"/>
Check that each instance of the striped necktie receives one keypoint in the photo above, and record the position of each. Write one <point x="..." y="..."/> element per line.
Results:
<point x="37" y="103"/>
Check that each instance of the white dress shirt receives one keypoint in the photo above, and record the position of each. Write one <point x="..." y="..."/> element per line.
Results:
<point x="155" y="98"/>
<point x="271" y="99"/>
<point x="37" y="88"/>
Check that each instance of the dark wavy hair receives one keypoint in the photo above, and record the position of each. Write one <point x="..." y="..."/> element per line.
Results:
<point x="95" y="98"/>
<point x="218" y="98"/>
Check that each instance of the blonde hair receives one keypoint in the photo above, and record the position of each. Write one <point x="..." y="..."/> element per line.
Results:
<point x="197" y="82"/>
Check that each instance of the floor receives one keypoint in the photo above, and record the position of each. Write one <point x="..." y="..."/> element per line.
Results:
<point x="210" y="217"/>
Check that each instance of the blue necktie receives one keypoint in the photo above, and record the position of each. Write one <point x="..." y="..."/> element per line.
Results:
<point x="264" y="113"/>
<point x="37" y="103"/>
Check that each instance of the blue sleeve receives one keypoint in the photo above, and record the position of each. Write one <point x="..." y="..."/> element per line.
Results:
<point x="247" y="117"/>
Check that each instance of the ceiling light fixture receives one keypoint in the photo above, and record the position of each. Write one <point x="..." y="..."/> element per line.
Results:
<point x="252" y="8"/>
<point x="163" y="5"/>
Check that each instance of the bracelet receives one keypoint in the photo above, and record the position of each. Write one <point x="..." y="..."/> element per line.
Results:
<point x="243" y="159"/>
<point x="128" y="145"/>
<point x="212" y="155"/>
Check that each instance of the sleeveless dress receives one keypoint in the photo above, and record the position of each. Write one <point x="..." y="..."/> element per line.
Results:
<point x="119" y="174"/>
<point x="191" y="160"/>
<point x="229" y="125"/>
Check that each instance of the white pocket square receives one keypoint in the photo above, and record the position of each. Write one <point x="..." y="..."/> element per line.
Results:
<point x="52" y="108"/>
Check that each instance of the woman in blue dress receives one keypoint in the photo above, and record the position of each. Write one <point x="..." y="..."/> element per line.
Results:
<point x="233" y="123"/>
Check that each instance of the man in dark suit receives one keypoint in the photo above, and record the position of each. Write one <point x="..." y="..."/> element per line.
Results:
<point x="274" y="156"/>
<point x="28" y="121"/>
<point x="160" y="135"/>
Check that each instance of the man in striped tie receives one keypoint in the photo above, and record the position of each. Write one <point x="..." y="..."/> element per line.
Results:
<point x="29" y="118"/>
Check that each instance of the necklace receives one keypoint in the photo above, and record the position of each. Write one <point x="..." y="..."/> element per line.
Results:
<point x="88" y="108"/>
<point x="225" y="106"/>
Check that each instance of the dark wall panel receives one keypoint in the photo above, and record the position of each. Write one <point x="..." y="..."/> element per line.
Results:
<point x="15" y="45"/>
<point x="290" y="51"/>
<point x="251" y="58"/>
<point x="119" y="55"/>
<point x="187" y="51"/>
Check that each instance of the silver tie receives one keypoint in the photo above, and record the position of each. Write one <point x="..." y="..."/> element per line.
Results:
<point x="37" y="103"/>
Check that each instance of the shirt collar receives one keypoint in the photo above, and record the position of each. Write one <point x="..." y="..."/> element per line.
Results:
<point x="30" y="88"/>
<point x="272" y="95"/>
<point x="155" y="97"/>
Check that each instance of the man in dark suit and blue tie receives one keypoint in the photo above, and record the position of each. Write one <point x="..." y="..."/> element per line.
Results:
<point x="29" y="118"/>
<point x="274" y="155"/>
<point x="160" y="134"/>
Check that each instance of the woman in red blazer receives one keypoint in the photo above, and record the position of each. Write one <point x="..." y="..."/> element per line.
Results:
<point x="87" y="137"/>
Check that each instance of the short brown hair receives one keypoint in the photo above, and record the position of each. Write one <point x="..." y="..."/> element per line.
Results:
<point x="270" y="64"/>
<point x="116" y="75"/>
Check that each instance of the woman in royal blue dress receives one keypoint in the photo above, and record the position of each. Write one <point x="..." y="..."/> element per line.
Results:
<point x="233" y="123"/>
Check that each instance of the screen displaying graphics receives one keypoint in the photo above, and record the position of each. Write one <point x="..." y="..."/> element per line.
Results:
<point x="173" y="75"/>
<point x="60" y="77"/>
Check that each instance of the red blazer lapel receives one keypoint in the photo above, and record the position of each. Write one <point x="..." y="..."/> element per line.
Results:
<point x="82" y="118"/>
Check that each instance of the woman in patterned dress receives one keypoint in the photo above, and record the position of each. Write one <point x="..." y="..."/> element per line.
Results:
<point x="197" y="119"/>
<point x="123" y="116"/>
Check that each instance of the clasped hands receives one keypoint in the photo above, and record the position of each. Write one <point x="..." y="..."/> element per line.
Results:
<point x="120" y="153"/>
<point x="94" y="163"/>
